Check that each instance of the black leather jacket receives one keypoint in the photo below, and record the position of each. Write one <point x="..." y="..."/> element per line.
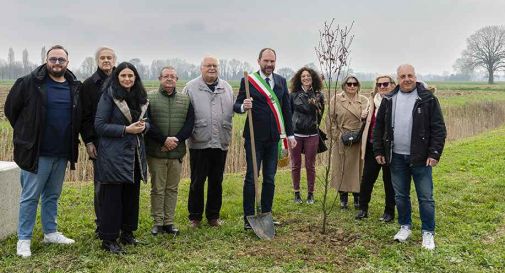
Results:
<point x="428" y="128"/>
<point x="308" y="109"/>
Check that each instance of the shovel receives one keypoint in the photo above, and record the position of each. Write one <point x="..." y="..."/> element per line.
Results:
<point x="261" y="223"/>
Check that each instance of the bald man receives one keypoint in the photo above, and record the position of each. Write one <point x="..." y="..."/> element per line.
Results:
<point x="212" y="100"/>
<point x="409" y="136"/>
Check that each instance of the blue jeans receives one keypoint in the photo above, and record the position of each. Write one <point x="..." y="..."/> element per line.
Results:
<point x="266" y="155"/>
<point x="401" y="172"/>
<point x="46" y="183"/>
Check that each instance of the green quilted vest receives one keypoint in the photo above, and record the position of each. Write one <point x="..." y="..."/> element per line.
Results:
<point x="168" y="113"/>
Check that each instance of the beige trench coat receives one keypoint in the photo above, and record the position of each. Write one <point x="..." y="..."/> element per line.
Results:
<point x="346" y="162"/>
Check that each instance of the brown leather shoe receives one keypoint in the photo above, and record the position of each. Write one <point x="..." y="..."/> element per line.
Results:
<point x="194" y="223"/>
<point x="215" y="222"/>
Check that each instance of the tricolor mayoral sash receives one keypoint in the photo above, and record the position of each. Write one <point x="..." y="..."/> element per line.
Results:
<point x="273" y="102"/>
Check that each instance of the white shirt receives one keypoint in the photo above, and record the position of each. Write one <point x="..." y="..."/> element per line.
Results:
<point x="271" y="77"/>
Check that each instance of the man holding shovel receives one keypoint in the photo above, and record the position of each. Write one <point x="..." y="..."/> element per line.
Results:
<point x="271" y="132"/>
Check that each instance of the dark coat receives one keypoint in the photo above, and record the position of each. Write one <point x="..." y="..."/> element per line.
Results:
<point x="118" y="150"/>
<point x="308" y="109"/>
<point x="265" y="127"/>
<point x="90" y="95"/>
<point x="428" y="128"/>
<point x="25" y="108"/>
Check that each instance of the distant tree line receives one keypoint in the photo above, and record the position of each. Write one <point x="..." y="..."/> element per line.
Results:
<point x="12" y="69"/>
<point x="228" y="69"/>
<point x="470" y="67"/>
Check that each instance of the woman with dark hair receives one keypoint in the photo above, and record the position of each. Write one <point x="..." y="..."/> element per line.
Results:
<point x="383" y="85"/>
<point x="307" y="105"/>
<point x="348" y="111"/>
<point x="121" y="123"/>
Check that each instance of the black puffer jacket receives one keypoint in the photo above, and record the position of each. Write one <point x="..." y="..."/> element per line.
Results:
<point x="428" y="128"/>
<point x="305" y="106"/>
<point x="25" y="108"/>
<point x="119" y="151"/>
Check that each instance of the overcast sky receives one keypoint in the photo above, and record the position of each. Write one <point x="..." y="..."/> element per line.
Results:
<point x="430" y="34"/>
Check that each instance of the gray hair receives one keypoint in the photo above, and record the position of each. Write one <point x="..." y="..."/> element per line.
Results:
<point x="100" y="49"/>
<point x="167" y="68"/>
<point x="405" y="66"/>
<point x="209" y="57"/>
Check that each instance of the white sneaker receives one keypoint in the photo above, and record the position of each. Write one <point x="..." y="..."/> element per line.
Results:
<point x="23" y="248"/>
<point x="57" y="238"/>
<point x="403" y="234"/>
<point x="428" y="240"/>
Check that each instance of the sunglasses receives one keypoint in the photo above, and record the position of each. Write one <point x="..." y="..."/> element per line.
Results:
<point x="351" y="84"/>
<point x="54" y="60"/>
<point x="382" y="84"/>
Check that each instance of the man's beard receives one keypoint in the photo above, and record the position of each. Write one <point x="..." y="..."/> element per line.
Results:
<point x="57" y="74"/>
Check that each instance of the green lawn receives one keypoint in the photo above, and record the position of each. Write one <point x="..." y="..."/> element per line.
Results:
<point x="469" y="187"/>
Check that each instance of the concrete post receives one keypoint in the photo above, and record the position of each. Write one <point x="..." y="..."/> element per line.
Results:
<point x="10" y="190"/>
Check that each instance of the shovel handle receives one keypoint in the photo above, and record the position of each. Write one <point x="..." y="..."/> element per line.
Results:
<point x="253" y="145"/>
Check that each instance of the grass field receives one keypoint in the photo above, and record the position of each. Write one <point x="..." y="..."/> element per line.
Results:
<point x="469" y="186"/>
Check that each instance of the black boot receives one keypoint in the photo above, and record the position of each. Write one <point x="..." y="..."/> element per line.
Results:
<point x="361" y="214"/>
<point x="112" y="246"/>
<point x="310" y="198"/>
<point x="171" y="229"/>
<point x="127" y="238"/>
<point x="298" y="198"/>
<point x="356" y="200"/>
<point x="343" y="200"/>
<point x="387" y="217"/>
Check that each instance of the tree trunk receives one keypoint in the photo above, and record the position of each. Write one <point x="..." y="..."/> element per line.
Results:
<point x="491" y="76"/>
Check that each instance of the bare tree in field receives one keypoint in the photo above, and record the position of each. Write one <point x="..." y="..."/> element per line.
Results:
<point x="87" y="67"/>
<point x="286" y="72"/>
<point x="11" y="60"/>
<point x="26" y="62"/>
<point x="485" y="49"/>
<point x="43" y="55"/>
<point x="332" y="52"/>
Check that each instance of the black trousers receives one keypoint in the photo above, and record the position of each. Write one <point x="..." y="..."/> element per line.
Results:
<point x="119" y="208"/>
<point x="206" y="163"/>
<point x="370" y="173"/>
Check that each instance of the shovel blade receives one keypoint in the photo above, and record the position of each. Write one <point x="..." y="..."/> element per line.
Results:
<point x="263" y="225"/>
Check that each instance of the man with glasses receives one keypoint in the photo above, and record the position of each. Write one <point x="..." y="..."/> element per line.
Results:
<point x="44" y="110"/>
<point x="172" y="118"/>
<point x="409" y="136"/>
<point x="212" y="100"/>
<point x="91" y="92"/>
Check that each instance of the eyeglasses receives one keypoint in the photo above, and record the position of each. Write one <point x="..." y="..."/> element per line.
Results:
<point x="171" y="77"/>
<point x="211" y="66"/>
<point x="351" y="84"/>
<point x="54" y="60"/>
<point x="382" y="84"/>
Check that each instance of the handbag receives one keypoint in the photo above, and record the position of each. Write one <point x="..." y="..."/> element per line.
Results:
<point x="321" y="147"/>
<point x="351" y="137"/>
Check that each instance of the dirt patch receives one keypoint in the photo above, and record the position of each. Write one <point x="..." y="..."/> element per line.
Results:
<point x="306" y="242"/>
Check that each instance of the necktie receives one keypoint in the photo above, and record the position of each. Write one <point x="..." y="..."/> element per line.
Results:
<point x="268" y="81"/>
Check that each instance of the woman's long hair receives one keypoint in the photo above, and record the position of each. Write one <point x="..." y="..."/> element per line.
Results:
<point x="119" y="92"/>
<point x="296" y="80"/>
